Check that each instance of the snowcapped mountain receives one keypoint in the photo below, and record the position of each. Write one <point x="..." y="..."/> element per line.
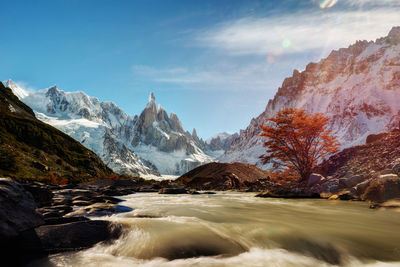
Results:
<point x="219" y="143"/>
<point x="144" y="145"/>
<point x="357" y="87"/>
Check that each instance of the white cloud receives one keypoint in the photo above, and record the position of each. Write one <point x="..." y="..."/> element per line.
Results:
<point x="299" y="32"/>
<point x="221" y="76"/>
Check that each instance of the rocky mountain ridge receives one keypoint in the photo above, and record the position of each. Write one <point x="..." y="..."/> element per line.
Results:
<point x="145" y="145"/>
<point x="357" y="87"/>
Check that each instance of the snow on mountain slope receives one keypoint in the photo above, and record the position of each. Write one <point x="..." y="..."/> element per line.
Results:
<point x="161" y="139"/>
<point x="357" y="87"/>
<point x="17" y="90"/>
<point x="142" y="145"/>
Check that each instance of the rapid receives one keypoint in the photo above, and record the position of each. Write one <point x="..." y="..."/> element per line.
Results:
<point x="238" y="229"/>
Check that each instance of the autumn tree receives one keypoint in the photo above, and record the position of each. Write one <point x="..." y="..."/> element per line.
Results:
<point x="297" y="141"/>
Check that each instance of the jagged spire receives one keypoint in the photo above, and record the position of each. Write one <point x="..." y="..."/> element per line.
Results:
<point x="152" y="101"/>
<point x="152" y="97"/>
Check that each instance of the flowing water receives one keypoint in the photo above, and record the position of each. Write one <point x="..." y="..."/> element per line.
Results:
<point x="238" y="229"/>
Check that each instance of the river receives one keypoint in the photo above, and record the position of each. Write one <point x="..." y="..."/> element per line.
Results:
<point x="238" y="229"/>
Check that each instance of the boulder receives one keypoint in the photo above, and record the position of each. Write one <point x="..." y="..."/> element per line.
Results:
<point x="350" y="181"/>
<point x="383" y="189"/>
<point x="71" y="236"/>
<point x="17" y="209"/>
<point x="172" y="191"/>
<point x="42" y="195"/>
<point x="287" y="192"/>
<point x="361" y="187"/>
<point x="374" y="137"/>
<point x="314" y="179"/>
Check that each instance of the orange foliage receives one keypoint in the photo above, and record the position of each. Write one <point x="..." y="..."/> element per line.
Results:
<point x="297" y="141"/>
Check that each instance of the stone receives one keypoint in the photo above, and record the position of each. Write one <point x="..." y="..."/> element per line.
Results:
<point x="374" y="137"/>
<point x="17" y="209"/>
<point x="325" y="195"/>
<point x="172" y="191"/>
<point x="333" y="197"/>
<point x="346" y="195"/>
<point x="42" y="195"/>
<point x="386" y="176"/>
<point x="383" y="189"/>
<point x="315" y="178"/>
<point x="361" y="187"/>
<point x="350" y="181"/>
<point x="73" y="236"/>
<point x="62" y="220"/>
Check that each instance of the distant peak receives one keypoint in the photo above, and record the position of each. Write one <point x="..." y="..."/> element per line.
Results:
<point x="395" y="31"/>
<point x="393" y="36"/>
<point x="152" y="98"/>
<point x="10" y="82"/>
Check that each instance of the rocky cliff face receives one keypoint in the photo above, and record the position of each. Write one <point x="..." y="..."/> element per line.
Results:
<point x="357" y="87"/>
<point x="145" y="145"/>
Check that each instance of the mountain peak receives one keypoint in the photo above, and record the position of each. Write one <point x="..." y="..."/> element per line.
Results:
<point x="395" y="31"/>
<point x="394" y="35"/>
<point x="152" y="98"/>
<point x="16" y="89"/>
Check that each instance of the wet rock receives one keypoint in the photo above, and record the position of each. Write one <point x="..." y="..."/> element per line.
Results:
<point x="99" y="209"/>
<point x="17" y="209"/>
<point x="347" y="195"/>
<point x="42" y="195"/>
<point x="72" y="236"/>
<point x="323" y="251"/>
<point x="62" y="220"/>
<point x="314" y="179"/>
<point x="287" y="192"/>
<point x="173" y="191"/>
<point x="391" y="204"/>
<point x="107" y="199"/>
<point x="383" y="189"/>
<point x="82" y="203"/>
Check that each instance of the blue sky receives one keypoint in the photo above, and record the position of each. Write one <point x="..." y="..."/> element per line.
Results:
<point x="214" y="63"/>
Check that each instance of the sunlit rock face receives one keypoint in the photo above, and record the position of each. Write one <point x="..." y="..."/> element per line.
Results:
<point x="147" y="145"/>
<point x="357" y="87"/>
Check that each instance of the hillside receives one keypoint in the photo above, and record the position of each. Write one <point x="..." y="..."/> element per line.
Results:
<point x="367" y="160"/>
<point x="222" y="176"/>
<point x="357" y="87"/>
<point x="31" y="149"/>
